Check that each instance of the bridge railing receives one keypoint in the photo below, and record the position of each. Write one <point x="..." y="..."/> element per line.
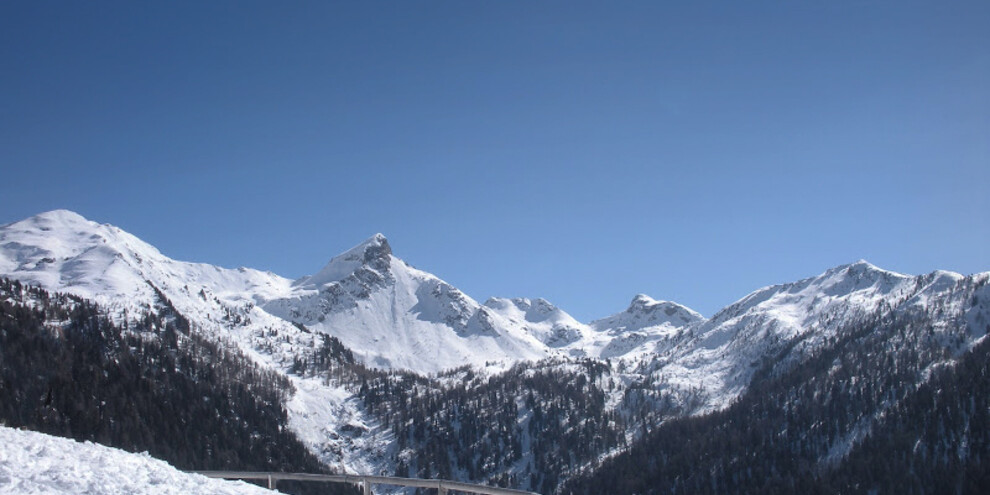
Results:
<point x="365" y="481"/>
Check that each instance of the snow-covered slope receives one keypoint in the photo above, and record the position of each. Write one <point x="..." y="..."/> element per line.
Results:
<point x="541" y="319"/>
<point x="60" y="250"/>
<point x="637" y="331"/>
<point x="395" y="316"/>
<point x="36" y="464"/>
<point x="719" y="356"/>
<point x="391" y="314"/>
<point x="630" y="334"/>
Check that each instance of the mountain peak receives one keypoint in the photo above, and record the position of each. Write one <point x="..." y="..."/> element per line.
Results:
<point x="860" y="268"/>
<point x="644" y="311"/>
<point x="374" y="247"/>
<point x="56" y="218"/>
<point x="62" y="214"/>
<point x="860" y="265"/>
<point x="375" y="240"/>
<point x="373" y="251"/>
<point x="532" y="310"/>
<point x="536" y="309"/>
<point x="641" y="301"/>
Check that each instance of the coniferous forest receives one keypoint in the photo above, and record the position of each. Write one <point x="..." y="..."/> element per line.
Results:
<point x="66" y="370"/>
<point x="848" y="419"/>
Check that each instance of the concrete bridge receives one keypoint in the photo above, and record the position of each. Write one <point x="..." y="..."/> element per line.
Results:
<point x="365" y="481"/>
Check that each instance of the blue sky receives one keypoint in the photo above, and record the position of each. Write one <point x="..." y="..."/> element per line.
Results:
<point x="579" y="151"/>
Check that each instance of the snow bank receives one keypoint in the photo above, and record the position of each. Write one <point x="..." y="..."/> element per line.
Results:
<point x="36" y="464"/>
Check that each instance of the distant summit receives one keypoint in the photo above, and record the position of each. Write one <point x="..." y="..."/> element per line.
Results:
<point x="644" y="311"/>
<point x="374" y="252"/>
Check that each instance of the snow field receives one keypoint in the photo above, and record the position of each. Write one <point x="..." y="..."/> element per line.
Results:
<point x="33" y="463"/>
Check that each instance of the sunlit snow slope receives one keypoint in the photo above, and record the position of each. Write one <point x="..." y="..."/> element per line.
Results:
<point x="717" y="357"/>
<point x="395" y="316"/>
<point x="37" y="464"/>
<point x="390" y="314"/>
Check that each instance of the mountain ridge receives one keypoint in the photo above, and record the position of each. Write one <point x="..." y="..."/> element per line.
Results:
<point x="365" y="296"/>
<point x="376" y="350"/>
<point x="356" y="289"/>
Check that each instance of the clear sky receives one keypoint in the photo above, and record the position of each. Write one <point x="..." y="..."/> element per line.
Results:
<point x="582" y="152"/>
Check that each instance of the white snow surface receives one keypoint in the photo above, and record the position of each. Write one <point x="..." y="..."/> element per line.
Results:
<point x="395" y="316"/>
<point x="344" y="264"/>
<point x="33" y="463"/>
<point x="545" y="322"/>
<point x="717" y="357"/>
<point x="62" y="251"/>
<point x="636" y="332"/>
<point x="330" y="421"/>
<point x="630" y="334"/>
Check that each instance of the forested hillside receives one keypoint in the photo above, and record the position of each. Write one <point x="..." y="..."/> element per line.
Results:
<point x="887" y="405"/>
<point x="67" y="370"/>
<point x="526" y="428"/>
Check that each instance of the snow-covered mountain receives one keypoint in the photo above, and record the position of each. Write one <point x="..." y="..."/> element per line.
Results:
<point x="857" y="367"/>
<point x="719" y="355"/>
<point x="60" y="250"/>
<point x="636" y="331"/>
<point x="389" y="313"/>
<point x="634" y="370"/>
<point x="541" y="319"/>
<point x="392" y="315"/>
<point x="631" y="334"/>
<point x="395" y="316"/>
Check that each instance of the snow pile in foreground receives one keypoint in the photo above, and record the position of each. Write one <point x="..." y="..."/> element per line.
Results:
<point x="34" y="464"/>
